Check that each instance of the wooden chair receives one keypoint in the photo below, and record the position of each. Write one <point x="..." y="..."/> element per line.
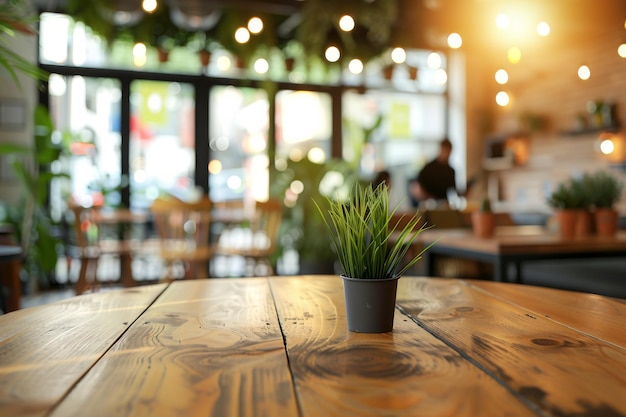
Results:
<point x="184" y="235"/>
<point x="258" y="241"/>
<point x="92" y="245"/>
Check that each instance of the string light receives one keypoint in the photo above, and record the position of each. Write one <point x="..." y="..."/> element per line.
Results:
<point x="346" y="23"/>
<point x="502" y="77"/>
<point x="332" y="54"/>
<point x="398" y="55"/>
<point x="242" y="35"/>
<point x="455" y="41"/>
<point x="255" y="25"/>
<point x="149" y="6"/>
<point x="584" y="72"/>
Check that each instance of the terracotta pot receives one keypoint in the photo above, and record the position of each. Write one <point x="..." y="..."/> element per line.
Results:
<point x="483" y="223"/>
<point x="567" y="219"/>
<point x="585" y="223"/>
<point x="163" y="55"/>
<point x="205" y="57"/>
<point x="606" y="221"/>
<point x="388" y="72"/>
<point x="289" y="64"/>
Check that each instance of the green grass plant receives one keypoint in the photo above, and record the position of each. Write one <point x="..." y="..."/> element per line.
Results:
<point x="361" y="230"/>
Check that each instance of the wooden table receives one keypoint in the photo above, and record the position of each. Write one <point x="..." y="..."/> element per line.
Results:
<point x="279" y="346"/>
<point x="514" y="245"/>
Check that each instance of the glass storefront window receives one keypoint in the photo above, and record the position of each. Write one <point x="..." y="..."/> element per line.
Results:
<point x="162" y="141"/>
<point x="86" y="114"/>
<point x="238" y="142"/>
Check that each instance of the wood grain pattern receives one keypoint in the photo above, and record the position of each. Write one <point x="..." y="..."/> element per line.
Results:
<point x="205" y="348"/>
<point x="558" y="369"/>
<point x="407" y="372"/>
<point x="598" y="316"/>
<point x="45" y="350"/>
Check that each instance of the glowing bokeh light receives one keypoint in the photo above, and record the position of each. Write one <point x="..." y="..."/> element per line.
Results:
<point x="543" y="29"/>
<point x="346" y="23"/>
<point x="502" y="99"/>
<point x="434" y="60"/>
<point x="242" y="35"/>
<point x="455" y="40"/>
<point x="255" y="25"/>
<point x="355" y="66"/>
<point x="149" y="5"/>
<point x="316" y="155"/>
<point x="607" y="146"/>
<point x="332" y="54"/>
<point x="440" y="76"/>
<point x="502" y="77"/>
<point x="261" y="66"/>
<point x="502" y="21"/>
<point x="398" y="55"/>
<point x="621" y="50"/>
<point x="584" y="72"/>
<point x="215" y="166"/>
<point x="514" y="55"/>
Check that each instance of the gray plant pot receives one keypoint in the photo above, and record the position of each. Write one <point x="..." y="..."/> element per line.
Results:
<point x="370" y="304"/>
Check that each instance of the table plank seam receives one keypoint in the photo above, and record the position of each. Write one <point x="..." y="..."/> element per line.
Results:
<point x="63" y="397"/>
<point x="530" y="405"/>
<point x="284" y="336"/>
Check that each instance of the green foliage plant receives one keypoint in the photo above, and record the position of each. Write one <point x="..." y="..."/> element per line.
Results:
<point x="363" y="234"/>
<point x="14" y="21"/>
<point x="568" y="195"/>
<point x="606" y="190"/>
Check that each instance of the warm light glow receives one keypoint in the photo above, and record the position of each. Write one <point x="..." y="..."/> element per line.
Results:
<point x="296" y="187"/>
<point x="543" y="29"/>
<point x="440" y="76"/>
<point x="261" y="66"/>
<point x="584" y="72"/>
<point x="215" y="166"/>
<point x="607" y="146"/>
<point x="346" y="23"/>
<point x="433" y="60"/>
<point x="502" y="77"/>
<point x="514" y="55"/>
<point x="242" y="35"/>
<point x="149" y="5"/>
<point x="398" y="55"/>
<point x="316" y="155"/>
<point x="502" y="21"/>
<point x="355" y="66"/>
<point x="224" y="63"/>
<point x="332" y="54"/>
<point x="255" y="25"/>
<point x="502" y="99"/>
<point x="455" y="41"/>
<point x="621" y="50"/>
<point x="139" y="49"/>
<point x="139" y="54"/>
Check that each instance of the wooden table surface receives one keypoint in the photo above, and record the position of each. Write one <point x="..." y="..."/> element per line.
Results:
<point x="279" y="346"/>
<point x="516" y="244"/>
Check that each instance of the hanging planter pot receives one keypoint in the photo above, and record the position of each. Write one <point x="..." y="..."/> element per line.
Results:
<point x="163" y="55"/>
<point x="205" y="57"/>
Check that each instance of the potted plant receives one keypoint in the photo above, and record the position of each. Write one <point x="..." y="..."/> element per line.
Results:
<point x="567" y="202"/>
<point x="606" y="192"/>
<point x="483" y="220"/>
<point x="372" y="251"/>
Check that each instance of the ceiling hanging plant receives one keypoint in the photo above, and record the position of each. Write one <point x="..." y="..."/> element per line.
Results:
<point x="374" y="21"/>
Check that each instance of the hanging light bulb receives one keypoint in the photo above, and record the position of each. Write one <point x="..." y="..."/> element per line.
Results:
<point x="332" y="54"/>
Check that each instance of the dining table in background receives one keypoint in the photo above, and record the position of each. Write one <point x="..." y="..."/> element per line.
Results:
<point x="511" y="246"/>
<point x="279" y="346"/>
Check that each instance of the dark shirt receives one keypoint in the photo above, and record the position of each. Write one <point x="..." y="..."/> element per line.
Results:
<point x="436" y="178"/>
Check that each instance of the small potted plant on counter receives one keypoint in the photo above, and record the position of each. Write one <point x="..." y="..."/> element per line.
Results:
<point x="567" y="202"/>
<point x="372" y="251"/>
<point x="483" y="220"/>
<point x="606" y="192"/>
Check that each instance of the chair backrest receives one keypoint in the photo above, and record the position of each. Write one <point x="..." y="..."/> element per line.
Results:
<point x="85" y="225"/>
<point x="177" y="220"/>
<point x="266" y="224"/>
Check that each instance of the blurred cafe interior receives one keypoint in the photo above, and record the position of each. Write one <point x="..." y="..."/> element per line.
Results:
<point x="291" y="100"/>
